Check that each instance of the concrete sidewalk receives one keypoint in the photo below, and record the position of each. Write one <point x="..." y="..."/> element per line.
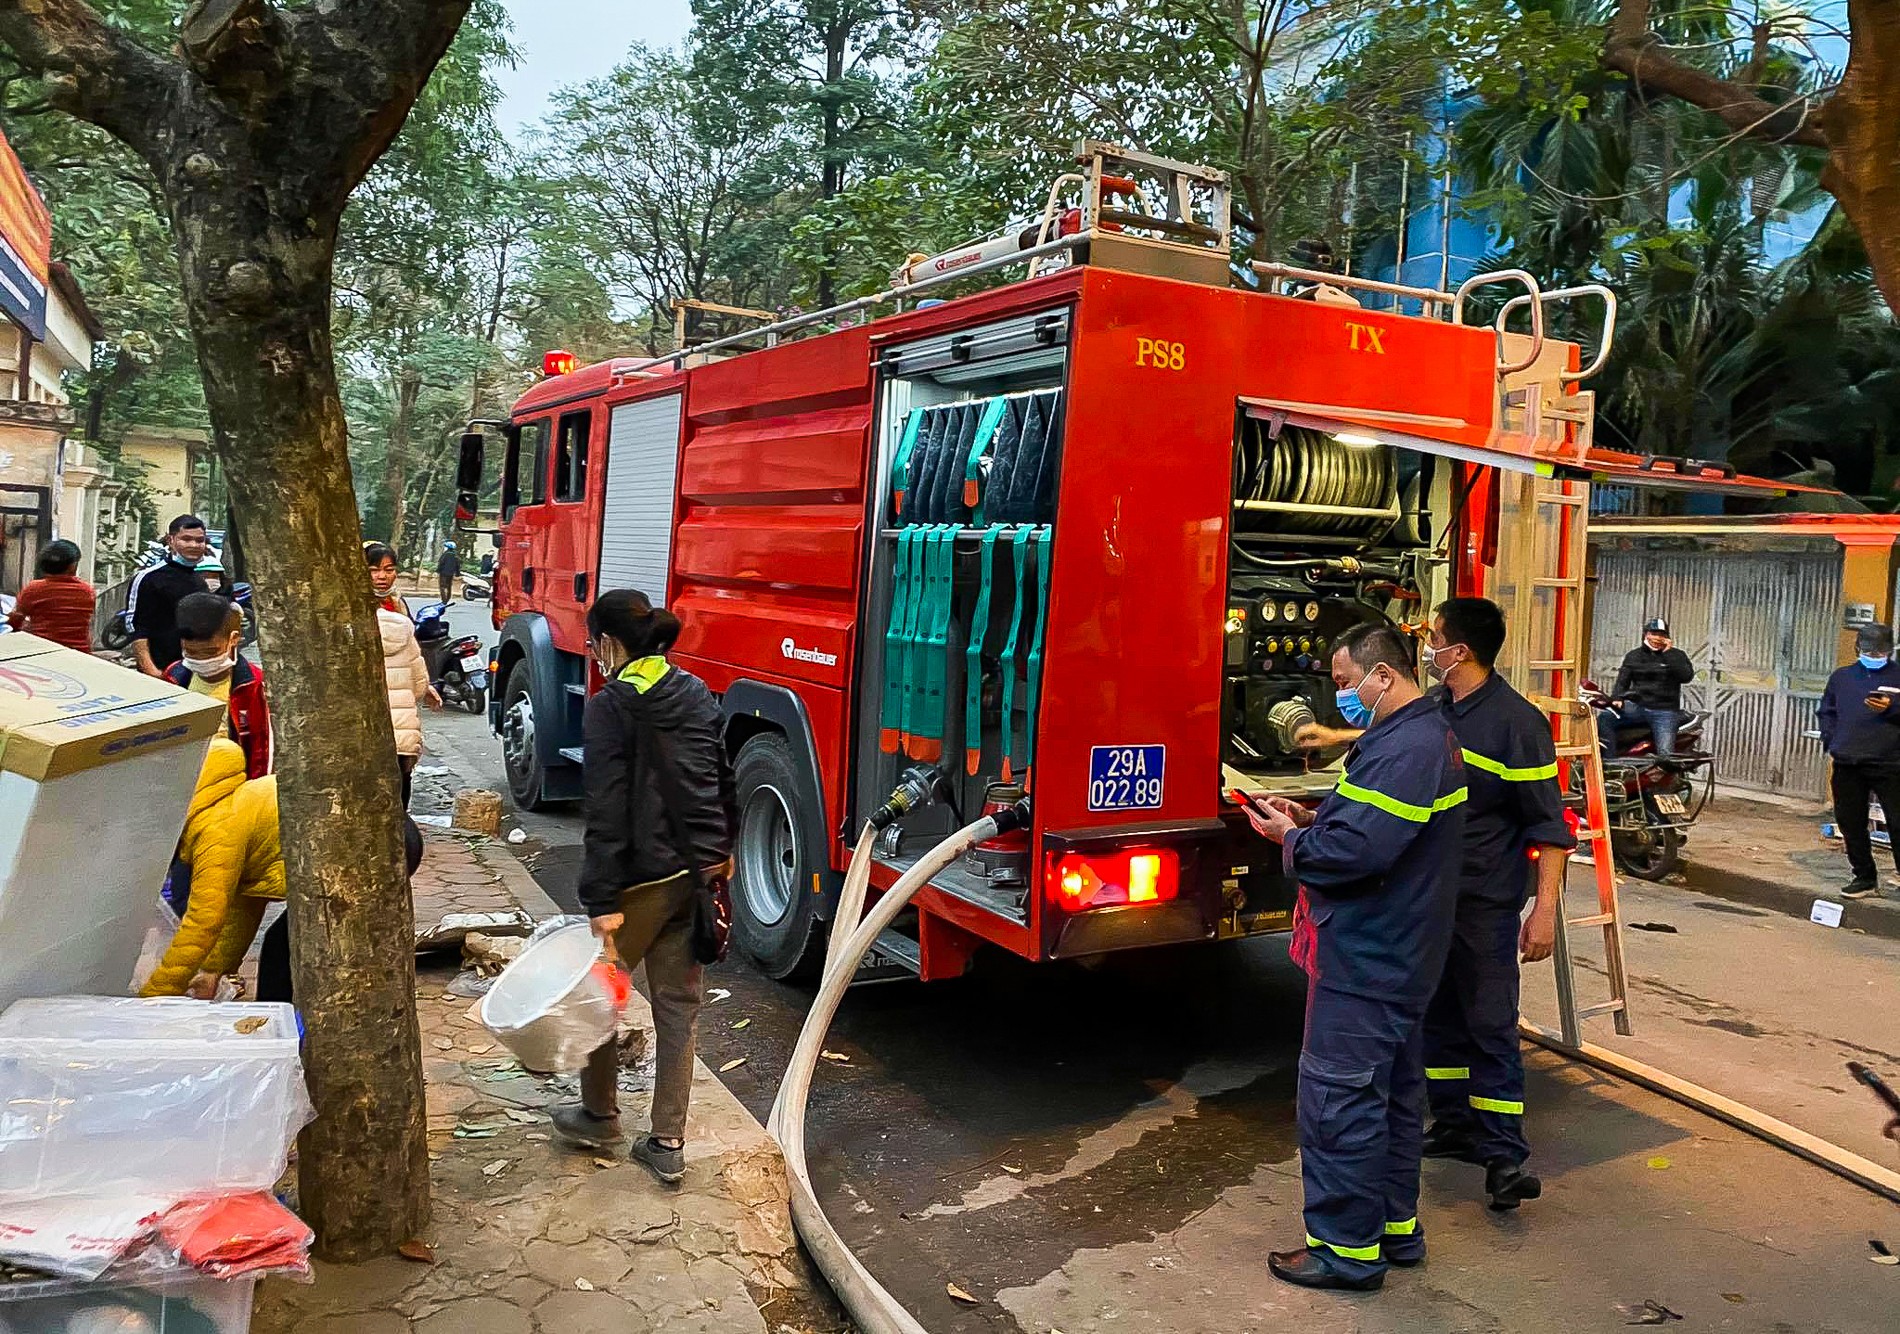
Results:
<point x="1773" y="856"/>
<point x="531" y="1238"/>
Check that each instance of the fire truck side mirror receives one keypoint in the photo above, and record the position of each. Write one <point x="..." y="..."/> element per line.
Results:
<point x="468" y="475"/>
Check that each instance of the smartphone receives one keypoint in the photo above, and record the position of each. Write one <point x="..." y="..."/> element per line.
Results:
<point x="1257" y="800"/>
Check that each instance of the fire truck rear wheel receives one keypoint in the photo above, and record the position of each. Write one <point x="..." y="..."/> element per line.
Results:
<point x="774" y="913"/>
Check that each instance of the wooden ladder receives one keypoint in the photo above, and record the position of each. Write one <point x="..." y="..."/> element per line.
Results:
<point x="1543" y="550"/>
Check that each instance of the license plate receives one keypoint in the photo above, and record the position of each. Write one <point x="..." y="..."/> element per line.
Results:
<point x="1126" y="778"/>
<point x="474" y="662"/>
<point x="1669" y="805"/>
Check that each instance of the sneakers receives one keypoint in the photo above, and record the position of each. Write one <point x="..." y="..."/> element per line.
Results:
<point x="669" y="1165"/>
<point x="582" y="1129"/>
<point x="1861" y="889"/>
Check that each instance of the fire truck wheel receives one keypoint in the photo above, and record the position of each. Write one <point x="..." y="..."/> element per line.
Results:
<point x="518" y="741"/>
<point x="776" y="925"/>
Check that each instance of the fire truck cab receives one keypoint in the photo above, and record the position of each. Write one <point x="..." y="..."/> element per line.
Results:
<point x="1086" y="538"/>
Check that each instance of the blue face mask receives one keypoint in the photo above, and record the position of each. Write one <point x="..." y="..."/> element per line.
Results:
<point x="1872" y="664"/>
<point x="188" y="564"/>
<point x="1353" y="708"/>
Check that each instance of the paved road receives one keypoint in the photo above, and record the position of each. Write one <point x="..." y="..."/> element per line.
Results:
<point x="1112" y="1148"/>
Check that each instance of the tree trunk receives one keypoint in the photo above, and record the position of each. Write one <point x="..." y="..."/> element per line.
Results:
<point x="1862" y="120"/>
<point x="396" y="463"/>
<point x="258" y="293"/>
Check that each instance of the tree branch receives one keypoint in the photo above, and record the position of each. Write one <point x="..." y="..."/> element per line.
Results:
<point x="236" y="46"/>
<point x="1631" y="49"/>
<point x="90" y="70"/>
<point x="360" y="65"/>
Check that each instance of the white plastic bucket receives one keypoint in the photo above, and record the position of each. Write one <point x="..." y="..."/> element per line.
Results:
<point x="557" y="1002"/>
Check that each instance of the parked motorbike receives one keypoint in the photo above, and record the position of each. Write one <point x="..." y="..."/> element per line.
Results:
<point x="117" y="635"/>
<point x="1653" y="800"/>
<point x="458" y="666"/>
<point x="475" y="588"/>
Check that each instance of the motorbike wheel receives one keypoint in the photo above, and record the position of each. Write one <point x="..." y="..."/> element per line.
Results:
<point x="1653" y="856"/>
<point x="117" y="636"/>
<point x="476" y="700"/>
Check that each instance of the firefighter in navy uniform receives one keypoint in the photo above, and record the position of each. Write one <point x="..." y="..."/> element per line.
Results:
<point x="1515" y="832"/>
<point x="1377" y="865"/>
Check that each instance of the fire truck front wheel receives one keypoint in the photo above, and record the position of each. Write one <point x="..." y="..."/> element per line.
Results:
<point x="776" y="924"/>
<point x="519" y="752"/>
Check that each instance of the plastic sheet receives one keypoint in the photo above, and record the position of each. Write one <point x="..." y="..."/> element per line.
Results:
<point x="237" y="1236"/>
<point x="105" y="1097"/>
<point x="187" y="1305"/>
<point x="559" y="1000"/>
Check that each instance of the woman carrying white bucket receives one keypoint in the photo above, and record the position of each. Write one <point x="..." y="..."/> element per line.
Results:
<point x="657" y="848"/>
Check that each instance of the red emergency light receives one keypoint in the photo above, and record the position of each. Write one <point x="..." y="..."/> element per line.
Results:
<point x="1135" y="876"/>
<point x="557" y="363"/>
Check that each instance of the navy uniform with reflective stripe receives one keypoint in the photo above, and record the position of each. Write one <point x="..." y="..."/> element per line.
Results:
<point x="1473" y="1065"/>
<point x="1378" y="875"/>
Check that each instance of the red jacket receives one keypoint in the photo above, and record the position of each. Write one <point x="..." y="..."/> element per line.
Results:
<point x="248" y="720"/>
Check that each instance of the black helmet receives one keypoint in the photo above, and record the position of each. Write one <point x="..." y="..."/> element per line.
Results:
<point x="1656" y="625"/>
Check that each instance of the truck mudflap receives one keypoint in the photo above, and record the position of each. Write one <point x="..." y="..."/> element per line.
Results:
<point x="1163" y="884"/>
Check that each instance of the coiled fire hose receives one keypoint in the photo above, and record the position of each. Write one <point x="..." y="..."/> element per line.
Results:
<point x="864" y="1298"/>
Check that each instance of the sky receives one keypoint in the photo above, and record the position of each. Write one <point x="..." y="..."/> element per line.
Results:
<point x="565" y="41"/>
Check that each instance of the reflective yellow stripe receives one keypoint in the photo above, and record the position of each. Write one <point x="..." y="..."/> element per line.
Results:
<point x="1405" y="1229"/>
<point x="1350" y="1252"/>
<point x="1447" y="1072"/>
<point x="1405" y="810"/>
<point x="1507" y="773"/>
<point x="1496" y="1105"/>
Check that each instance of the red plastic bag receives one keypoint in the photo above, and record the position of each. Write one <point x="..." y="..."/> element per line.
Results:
<point x="227" y="1236"/>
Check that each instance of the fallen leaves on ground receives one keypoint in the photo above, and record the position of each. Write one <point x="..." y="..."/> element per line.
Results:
<point x="583" y="1285"/>
<point x="1650" y="1312"/>
<point x="1013" y="1171"/>
<point x="716" y="994"/>
<point x="837" y="1056"/>
<point x="741" y="1024"/>
<point x="1660" y="1164"/>
<point x="497" y="1167"/>
<point x="733" y="1064"/>
<point x="959" y="1295"/>
<point x="419" y="1251"/>
<point x="605" y="1162"/>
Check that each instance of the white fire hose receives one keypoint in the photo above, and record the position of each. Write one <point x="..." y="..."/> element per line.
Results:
<point x="864" y="1298"/>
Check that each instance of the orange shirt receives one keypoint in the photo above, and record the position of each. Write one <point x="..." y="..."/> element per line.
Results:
<point x="57" y="607"/>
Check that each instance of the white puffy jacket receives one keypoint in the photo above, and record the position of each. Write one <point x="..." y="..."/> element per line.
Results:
<point x="405" y="676"/>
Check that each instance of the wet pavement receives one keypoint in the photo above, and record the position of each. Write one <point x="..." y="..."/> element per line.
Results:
<point x="1111" y="1148"/>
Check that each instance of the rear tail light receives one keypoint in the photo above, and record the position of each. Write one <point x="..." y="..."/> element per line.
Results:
<point x="1135" y="876"/>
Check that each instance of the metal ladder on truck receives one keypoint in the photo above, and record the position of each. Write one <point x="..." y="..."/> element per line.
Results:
<point x="1543" y="524"/>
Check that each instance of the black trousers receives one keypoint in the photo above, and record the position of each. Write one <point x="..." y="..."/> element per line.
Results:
<point x="1852" y="784"/>
<point x="273" y="956"/>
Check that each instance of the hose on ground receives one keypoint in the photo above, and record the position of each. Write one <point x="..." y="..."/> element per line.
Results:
<point x="872" y="1307"/>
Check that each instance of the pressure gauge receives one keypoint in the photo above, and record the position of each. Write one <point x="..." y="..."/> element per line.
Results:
<point x="1269" y="612"/>
<point x="1291" y="611"/>
<point x="1312" y="611"/>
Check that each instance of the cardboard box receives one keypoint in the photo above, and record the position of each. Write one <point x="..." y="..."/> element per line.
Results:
<point x="97" y="769"/>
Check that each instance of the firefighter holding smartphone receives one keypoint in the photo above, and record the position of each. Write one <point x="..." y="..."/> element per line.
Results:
<point x="1377" y="864"/>
<point x="1516" y="844"/>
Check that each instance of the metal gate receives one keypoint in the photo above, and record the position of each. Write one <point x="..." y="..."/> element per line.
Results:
<point x="26" y="524"/>
<point x="1760" y="627"/>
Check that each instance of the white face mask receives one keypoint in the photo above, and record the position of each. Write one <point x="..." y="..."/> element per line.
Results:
<point x="1437" y="672"/>
<point x="211" y="669"/>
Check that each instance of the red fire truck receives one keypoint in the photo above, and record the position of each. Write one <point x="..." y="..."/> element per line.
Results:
<point x="1087" y="536"/>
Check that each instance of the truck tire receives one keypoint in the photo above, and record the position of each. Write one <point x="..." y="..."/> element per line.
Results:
<point x="519" y="741"/>
<point x="774" y="912"/>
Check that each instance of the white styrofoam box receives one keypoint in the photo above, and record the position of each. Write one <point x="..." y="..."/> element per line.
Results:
<point x="102" y="1095"/>
<point x="97" y="769"/>
<point x="188" y="1305"/>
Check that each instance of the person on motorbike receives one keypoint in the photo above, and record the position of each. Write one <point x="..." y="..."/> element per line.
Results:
<point x="1648" y="690"/>
<point x="1860" y="729"/>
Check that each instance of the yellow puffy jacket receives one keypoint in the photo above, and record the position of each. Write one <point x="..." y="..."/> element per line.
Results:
<point x="230" y="844"/>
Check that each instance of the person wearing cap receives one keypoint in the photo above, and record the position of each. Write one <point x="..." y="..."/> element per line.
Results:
<point x="1648" y="690"/>
<point x="1860" y="730"/>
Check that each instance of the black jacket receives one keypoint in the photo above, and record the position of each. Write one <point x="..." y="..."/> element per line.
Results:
<point x="1653" y="680"/>
<point x="1852" y="732"/>
<point x="449" y="566"/>
<point x="153" y="602"/>
<point x="628" y="840"/>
